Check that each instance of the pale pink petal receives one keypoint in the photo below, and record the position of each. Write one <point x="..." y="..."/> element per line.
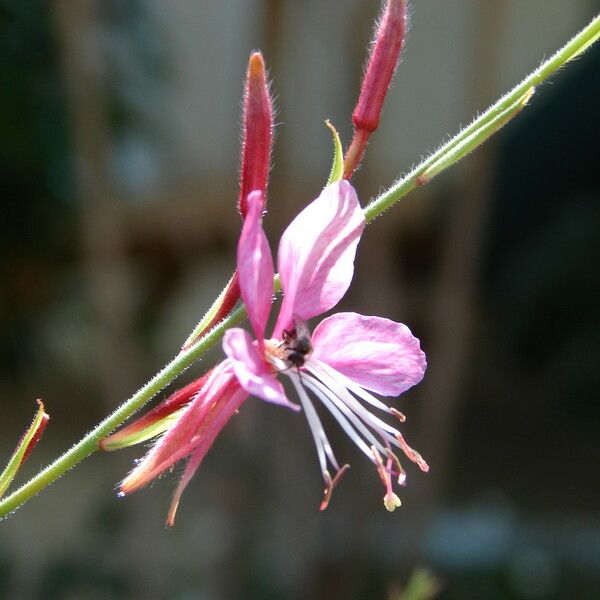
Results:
<point x="253" y="374"/>
<point x="380" y="355"/>
<point x="255" y="267"/>
<point x="316" y="254"/>
<point x="179" y="440"/>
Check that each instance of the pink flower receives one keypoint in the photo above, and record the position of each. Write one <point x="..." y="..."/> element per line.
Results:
<point x="349" y="355"/>
<point x="347" y="359"/>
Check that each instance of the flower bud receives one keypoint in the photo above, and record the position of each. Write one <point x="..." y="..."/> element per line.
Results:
<point x="385" y="53"/>
<point x="257" y="131"/>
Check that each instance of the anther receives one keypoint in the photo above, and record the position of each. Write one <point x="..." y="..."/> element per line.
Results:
<point x="400" y="416"/>
<point x="412" y="454"/>
<point x="327" y="491"/>
<point x="330" y="484"/>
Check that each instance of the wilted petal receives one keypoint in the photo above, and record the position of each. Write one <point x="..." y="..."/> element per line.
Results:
<point x="156" y="420"/>
<point x="224" y="409"/>
<point x="251" y="370"/>
<point x="316" y="254"/>
<point x="255" y="267"/>
<point x="179" y="440"/>
<point x="380" y="355"/>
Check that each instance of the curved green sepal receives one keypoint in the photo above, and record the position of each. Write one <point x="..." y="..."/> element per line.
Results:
<point x="337" y="168"/>
<point x="18" y="456"/>
<point x="117" y="443"/>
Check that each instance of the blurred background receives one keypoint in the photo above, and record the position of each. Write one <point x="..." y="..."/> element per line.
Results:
<point x="119" y="135"/>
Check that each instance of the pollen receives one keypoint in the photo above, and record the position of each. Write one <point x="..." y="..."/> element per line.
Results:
<point x="276" y="354"/>
<point x="391" y="501"/>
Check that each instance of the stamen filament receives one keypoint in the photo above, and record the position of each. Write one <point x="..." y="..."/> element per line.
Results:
<point x="358" y="424"/>
<point x="342" y="392"/>
<point x="340" y="418"/>
<point x="316" y="427"/>
<point x="330" y="484"/>
<point x="323" y="366"/>
<point x="335" y="382"/>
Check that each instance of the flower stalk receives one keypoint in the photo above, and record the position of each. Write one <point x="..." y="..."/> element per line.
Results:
<point x="90" y="442"/>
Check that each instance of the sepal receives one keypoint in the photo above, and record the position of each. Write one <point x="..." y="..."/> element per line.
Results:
<point x="337" y="168"/>
<point x="28" y="442"/>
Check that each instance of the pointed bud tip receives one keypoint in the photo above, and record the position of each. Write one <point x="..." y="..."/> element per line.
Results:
<point x="256" y="64"/>
<point x="257" y="135"/>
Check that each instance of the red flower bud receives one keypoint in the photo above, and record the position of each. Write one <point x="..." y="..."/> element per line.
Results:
<point x="257" y="131"/>
<point x="257" y="135"/>
<point x="384" y="57"/>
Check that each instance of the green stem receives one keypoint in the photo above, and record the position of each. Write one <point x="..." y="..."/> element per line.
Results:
<point x="575" y="46"/>
<point x="89" y="444"/>
<point x="447" y="155"/>
<point x="208" y="317"/>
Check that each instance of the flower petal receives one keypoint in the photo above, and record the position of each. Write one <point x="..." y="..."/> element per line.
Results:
<point x="250" y="369"/>
<point x="156" y="420"/>
<point x="255" y="267"/>
<point x="380" y="355"/>
<point x="225" y="408"/>
<point x="316" y="254"/>
<point x="179" y="440"/>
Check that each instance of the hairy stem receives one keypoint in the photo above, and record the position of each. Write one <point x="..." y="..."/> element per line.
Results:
<point x="575" y="46"/>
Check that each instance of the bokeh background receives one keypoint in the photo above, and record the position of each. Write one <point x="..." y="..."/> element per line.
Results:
<point x="119" y="134"/>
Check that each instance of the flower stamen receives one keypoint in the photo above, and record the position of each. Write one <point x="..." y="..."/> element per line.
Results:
<point x="398" y="467"/>
<point x="412" y="454"/>
<point x="400" y="416"/>
<point x="322" y="444"/>
<point x="330" y="484"/>
<point x="390" y="500"/>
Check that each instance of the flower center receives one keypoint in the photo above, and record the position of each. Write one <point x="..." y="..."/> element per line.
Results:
<point x="291" y="351"/>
